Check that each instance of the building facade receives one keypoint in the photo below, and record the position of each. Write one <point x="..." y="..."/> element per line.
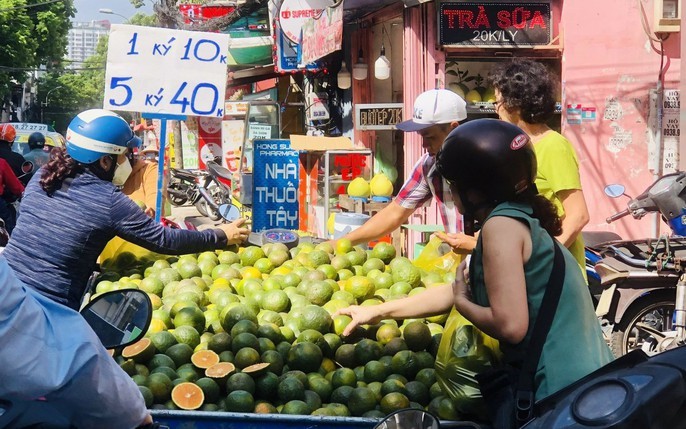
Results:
<point x="83" y="40"/>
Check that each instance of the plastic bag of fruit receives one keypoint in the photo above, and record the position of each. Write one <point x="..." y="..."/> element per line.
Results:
<point x="464" y="351"/>
<point x="437" y="256"/>
<point x="120" y="254"/>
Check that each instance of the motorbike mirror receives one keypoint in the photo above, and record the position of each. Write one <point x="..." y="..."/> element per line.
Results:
<point x="27" y="167"/>
<point x="409" y="418"/>
<point x="229" y="212"/>
<point x="119" y="317"/>
<point x="615" y="190"/>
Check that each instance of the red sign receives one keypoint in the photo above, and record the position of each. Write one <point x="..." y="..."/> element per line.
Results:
<point x="491" y="24"/>
<point x="351" y="166"/>
<point x="198" y="13"/>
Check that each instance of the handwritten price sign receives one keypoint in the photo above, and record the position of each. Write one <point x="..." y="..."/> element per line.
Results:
<point x="158" y="70"/>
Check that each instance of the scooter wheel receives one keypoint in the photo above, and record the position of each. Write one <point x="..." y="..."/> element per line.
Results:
<point x="655" y="310"/>
<point x="175" y="200"/>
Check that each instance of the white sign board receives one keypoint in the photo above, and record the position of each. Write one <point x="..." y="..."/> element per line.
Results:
<point x="258" y="131"/>
<point x="671" y="131"/>
<point x="163" y="71"/>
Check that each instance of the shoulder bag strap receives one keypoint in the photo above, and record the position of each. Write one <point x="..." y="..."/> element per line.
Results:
<point x="525" y="398"/>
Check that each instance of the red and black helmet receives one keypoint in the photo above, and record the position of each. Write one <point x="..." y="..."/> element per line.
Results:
<point x="490" y="156"/>
<point x="7" y="133"/>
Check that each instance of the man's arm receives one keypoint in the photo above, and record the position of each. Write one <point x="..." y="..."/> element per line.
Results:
<point x="384" y="222"/>
<point x="576" y="215"/>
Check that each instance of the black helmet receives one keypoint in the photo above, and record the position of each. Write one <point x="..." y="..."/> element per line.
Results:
<point x="490" y="156"/>
<point x="36" y="140"/>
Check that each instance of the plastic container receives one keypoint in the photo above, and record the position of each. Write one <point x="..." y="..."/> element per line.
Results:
<point x="345" y="222"/>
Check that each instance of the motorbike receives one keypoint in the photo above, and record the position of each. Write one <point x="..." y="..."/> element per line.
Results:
<point x="215" y="191"/>
<point x="118" y="318"/>
<point x="206" y="189"/>
<point x="639" y="300"/>
<point x="595" y="244"/>
<point x="181" y="187"/>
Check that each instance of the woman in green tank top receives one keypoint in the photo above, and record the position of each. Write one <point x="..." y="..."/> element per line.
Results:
<point x="491" y="167"/>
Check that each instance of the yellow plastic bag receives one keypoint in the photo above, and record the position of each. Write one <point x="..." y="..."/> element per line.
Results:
<point x="437" y="255"/>
<point x="464" y="351"/>
<point x="121" y="254"/>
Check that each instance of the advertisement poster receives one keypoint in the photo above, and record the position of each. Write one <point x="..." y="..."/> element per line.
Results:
<point x="233" y="133"/>
<point x="189" y="144"/>
<point x="209" y="140"/>
<point x="322" y="35"/>
<point x="289" y="16"/>
<point x="275" y="185"/>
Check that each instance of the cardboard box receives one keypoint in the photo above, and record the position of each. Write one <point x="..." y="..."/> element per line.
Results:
<point x="317" y="144"/>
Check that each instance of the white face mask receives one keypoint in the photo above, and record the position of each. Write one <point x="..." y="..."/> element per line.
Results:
<point x="121" y="173"/>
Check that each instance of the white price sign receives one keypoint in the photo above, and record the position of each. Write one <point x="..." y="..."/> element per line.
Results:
<point x="158" y="70"/>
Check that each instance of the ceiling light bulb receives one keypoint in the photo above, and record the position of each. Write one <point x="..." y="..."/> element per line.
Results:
<point x="344" y="77"/>
<point x="360" y="68"/>
<point x="382" y="66"/>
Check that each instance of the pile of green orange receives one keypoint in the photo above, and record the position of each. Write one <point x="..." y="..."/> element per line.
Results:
<point x="252" y="331"/>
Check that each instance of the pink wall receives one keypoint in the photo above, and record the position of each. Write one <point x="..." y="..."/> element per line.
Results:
<point x="421" y="71"/>
<point x="608" y="64"/>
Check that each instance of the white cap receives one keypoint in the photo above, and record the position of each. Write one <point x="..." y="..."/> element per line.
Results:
<point x="435" y="106"/>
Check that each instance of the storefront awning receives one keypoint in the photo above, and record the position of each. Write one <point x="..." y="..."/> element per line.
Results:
<point x="252" y="75"/>
<point x="354" y="9"/>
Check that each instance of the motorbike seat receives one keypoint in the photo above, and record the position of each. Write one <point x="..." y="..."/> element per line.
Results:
<point x="184" y="174"/>
<point x="219" y="171"/>
<point x="594" y="238"/>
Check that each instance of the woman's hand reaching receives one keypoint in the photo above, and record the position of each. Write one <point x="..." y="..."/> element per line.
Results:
<point x="367" y="315"/>
<point x="235" y="232"/>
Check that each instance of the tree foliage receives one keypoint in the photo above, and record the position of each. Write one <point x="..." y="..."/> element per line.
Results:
<point x="32" y="34"/>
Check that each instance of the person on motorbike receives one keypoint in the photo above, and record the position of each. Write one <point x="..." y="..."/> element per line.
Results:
<point x="38" y="155"/>
<point x="75" y="207"/>
<point x="491" y="168"/>
<point x="11" y="190"/>
<point x="142" y="183"/>
<point x="7" y="135"/>
<point x="50" y="352"/>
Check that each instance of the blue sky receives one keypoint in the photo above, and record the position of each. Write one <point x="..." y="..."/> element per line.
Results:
<point x="87" y="10"/>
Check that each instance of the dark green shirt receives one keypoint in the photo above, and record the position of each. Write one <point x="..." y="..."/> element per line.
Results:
<point x="575" y="346"/>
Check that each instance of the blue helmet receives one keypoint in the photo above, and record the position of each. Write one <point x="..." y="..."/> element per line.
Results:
<point x="97" y="132"/>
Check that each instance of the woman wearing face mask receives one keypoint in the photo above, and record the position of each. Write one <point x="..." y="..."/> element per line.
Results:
<point x="72" y="207"/>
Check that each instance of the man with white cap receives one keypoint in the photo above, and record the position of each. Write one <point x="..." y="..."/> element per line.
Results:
<point x="436" y="113"/>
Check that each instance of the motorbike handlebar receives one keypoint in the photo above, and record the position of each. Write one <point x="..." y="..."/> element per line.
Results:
<point x="616" y="216"/>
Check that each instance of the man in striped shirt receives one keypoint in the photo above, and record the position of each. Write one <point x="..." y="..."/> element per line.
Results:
<point x="436" y="113"/>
